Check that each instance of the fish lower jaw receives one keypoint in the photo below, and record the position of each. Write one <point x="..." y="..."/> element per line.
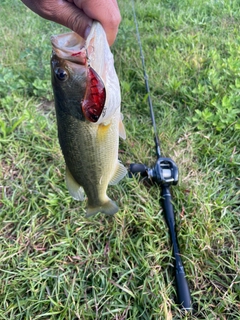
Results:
<point x="109" y="207"/>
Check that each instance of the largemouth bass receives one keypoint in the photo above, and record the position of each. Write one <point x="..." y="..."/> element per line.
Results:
<point x="87" y="101"/>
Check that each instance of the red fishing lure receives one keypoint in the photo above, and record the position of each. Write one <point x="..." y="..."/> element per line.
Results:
<point x="95" y="96"/>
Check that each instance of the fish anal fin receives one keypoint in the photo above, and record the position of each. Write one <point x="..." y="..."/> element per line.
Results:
<point x="119" y="174"/>
<point x="75" y="190"/>
<point x="109" y="208"/>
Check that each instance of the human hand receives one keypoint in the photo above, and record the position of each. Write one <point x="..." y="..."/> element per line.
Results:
<point x="79" y="14"/>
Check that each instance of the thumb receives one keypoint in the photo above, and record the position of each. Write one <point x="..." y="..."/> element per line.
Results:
<point x="62" y="12"/>
<point x="73" y="18"/>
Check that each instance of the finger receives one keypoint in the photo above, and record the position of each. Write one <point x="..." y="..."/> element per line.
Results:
<point x="75" y="19"/>
<point x="62" y="12"/>
<point x="106" y="12"/>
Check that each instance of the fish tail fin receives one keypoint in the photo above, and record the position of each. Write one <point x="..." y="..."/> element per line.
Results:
<point x="109" y="208"/>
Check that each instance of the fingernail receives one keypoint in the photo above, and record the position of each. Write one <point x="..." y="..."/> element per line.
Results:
<point x="87" y="31"/>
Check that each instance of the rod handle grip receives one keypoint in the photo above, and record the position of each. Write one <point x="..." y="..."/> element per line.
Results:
<point x="183" y="293"/>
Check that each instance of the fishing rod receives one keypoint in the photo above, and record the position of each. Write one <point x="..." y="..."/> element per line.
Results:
<point x="165" y="174"/>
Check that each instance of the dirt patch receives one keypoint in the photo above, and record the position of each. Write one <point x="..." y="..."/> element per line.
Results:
<point x="8" y="172"/>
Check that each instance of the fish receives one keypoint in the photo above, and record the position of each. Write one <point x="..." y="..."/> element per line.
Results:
<point x="87" y="102"/>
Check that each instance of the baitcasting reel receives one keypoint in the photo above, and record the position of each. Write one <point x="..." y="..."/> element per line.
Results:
<point x="165" y="171"/>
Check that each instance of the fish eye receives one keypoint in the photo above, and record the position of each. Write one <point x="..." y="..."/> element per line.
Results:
<point x="61" y="74"/>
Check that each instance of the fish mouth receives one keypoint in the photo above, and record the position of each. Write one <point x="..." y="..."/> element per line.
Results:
<point x="70" y="46"/>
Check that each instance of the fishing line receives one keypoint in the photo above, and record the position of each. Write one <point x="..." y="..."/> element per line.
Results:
<point x="157" y="142"/>
<point x="165" y="174"/>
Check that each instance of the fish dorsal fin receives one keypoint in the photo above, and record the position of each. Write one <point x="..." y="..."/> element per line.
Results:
<point x="75" y="190"/>
<point x="119" y="174"/>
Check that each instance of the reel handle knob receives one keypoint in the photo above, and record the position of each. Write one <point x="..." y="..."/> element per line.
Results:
<point x="136" y="168"/>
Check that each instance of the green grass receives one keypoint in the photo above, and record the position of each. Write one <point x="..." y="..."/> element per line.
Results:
<point x="55" y="263"/>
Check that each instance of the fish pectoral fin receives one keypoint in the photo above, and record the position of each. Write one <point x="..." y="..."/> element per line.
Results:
<point x="119" y="174"/>
<point x="122" y="132"/>
<point x="109" y="208"/>
<point x="75" y="190"/>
